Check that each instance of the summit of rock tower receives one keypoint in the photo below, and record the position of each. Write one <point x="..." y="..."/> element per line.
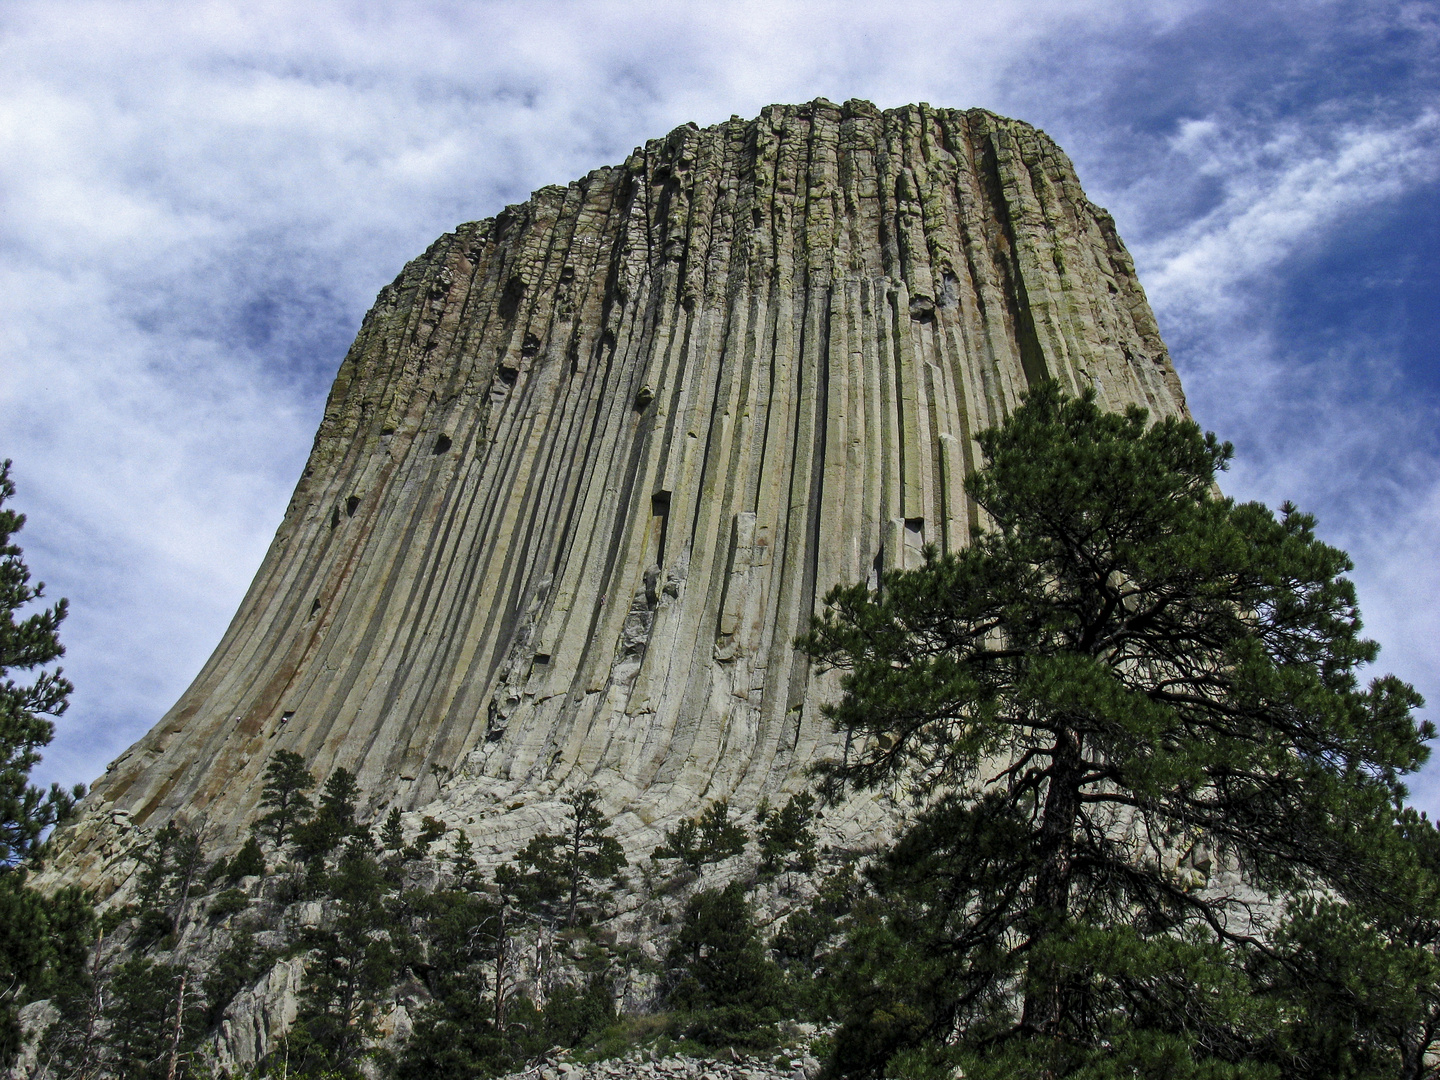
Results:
<point x="591" y="463"/>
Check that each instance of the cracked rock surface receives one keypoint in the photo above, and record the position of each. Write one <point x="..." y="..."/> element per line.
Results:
<point x="591" y="464"/>
<point x="641" y="1066"/>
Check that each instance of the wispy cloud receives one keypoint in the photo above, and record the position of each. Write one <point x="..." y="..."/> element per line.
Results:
<point x="199" y="200"/>
<point x="1285" y="192"/>
<point x="1344" y="424"/>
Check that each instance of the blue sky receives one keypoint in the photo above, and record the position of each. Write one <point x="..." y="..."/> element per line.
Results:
<point x="199" y="201"/>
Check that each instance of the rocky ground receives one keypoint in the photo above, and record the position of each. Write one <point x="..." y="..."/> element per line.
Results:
<point x="641" y="1065"/>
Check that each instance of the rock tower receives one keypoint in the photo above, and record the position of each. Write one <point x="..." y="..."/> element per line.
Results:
<point x="591" y="463"/>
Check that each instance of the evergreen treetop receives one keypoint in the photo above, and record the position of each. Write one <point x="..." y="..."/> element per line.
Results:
<point x="43" y="939"/>
<point x="27" y="710"/>
<point x="287" y="781"/>
<point x="562" y="870"/>
<point x="338" y="798"/>
<point x="787" y="835"/>
<point x="1125" y="673"/>
<point x="710" y="838"/>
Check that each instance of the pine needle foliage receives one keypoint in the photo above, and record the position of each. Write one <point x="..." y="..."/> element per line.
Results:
<point x="564" y="872"/>
<point x="787" y="835"/>
<point x="1125" y="682"/>
<point x="43" y="938"/>
<point x="27" y="710"/>
<point x="710" y="838"/>
<point x="287" y="783"/>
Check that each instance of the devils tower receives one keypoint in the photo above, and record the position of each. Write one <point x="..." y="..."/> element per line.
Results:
<point x="590" y="464"/>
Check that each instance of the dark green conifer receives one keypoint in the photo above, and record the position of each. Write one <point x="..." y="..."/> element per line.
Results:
<point x="316" y="837"/>
<point x="562" y="871"/>
<point x="711" y="838"/>
<point x="170" y="869"/>
<point x="574" y="1014"/>
<point x="682" y="843"/>
<point x="718" y="972"/>
<point x="44" y="949"/>
<point x="41" y="938"/>
<point x="721" y="838"/>
<point x="392" y="833"/>
<point x="1125" y="679"/>
<point x="787" y="835"/>
<point x="431" y="830"/>
<point x="339" y="796"/>
<point x="249" y="861"/>
<point x="455" y="1035"/>
<point x="287" y="782"/>
<point x="462" y="860"/>
<point x="1359" y="977"/>
<point x="352" y="963"/>
<point x="27" y="710"/>
<point x="333" y="820"/>
<point x="235" y="968"/>
<point x="155" y="1014"/>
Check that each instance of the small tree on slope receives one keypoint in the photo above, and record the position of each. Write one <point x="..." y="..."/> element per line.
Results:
<point x="1125" y="668"/>
<point x="26" y="709"/>
<point x="43" y="939"/>
<point x="286" y="782"/>
<point x="564" y="870"/>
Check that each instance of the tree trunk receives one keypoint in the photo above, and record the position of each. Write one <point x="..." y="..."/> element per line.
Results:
<point x="501" y="948"/>
<point x="179" y="1022"/>
<point x="574" y="871"/>
<point x="1044" y="1010"/>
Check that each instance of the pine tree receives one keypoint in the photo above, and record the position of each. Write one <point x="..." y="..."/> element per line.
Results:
<point x="169" y="869"/>
<point x="352" y="962"/>
<point x="146" y="999"/>
<point x="249" y="861"/>
<point x="682" y="843"/>
<point x="74" y="1045"/>
<point x="332" y="822"/>
<point x="574" y="1013"/>
<point x="1359" y="977"/>
<point x="462" y="860"/>
<point x="431" y="830"/>
<point x="721" y="838"/>
<point x="42" y="939"/>
<point x="44" y="949"/>
<point x="500" y="931"/>
<point x="27" y="711"/>
<point x="710" y="838"/>
<point x="562" y="870"/>
<point x="787" y="835"/>
<point x="338" y="798"/>
<point x="237" y="966"/>
<point x="719" y="974"/>
<point x="188" y="858"/>
<point x="287" y="781"/>
<point x="392" y="833"/>
<point x="456" y="1035"/>
<point x="1126" y="673"/>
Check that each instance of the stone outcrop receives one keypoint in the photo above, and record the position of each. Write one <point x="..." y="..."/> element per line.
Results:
<point x="590" y="465"/>
<point x="794" y="1065"/>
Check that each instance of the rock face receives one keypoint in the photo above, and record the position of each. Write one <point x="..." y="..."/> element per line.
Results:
<point x="590" y="465"/>
<point x="784" y="1066"/>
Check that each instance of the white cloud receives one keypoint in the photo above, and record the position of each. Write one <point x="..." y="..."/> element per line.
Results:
<point x="198" y="201"/>
<point x="1338" y="428"/>
<point x="1283" y="193"/>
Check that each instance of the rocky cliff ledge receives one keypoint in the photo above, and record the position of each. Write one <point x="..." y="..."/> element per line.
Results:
<point x="590" y="463"/>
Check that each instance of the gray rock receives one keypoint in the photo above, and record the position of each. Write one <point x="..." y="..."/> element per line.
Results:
<point x="587" y="470"/>
<point x="488" y="416"/>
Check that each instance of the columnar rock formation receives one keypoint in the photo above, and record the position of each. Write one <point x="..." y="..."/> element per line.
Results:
<point x="590" y="464"/>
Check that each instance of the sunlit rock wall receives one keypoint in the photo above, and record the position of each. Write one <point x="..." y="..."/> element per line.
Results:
<point x="590" y="465"/>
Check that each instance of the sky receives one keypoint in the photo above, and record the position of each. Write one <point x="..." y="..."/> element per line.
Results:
<point x="199" y="202"/>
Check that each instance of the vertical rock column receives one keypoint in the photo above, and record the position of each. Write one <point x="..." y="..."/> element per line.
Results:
<point x="590" y="465"/>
